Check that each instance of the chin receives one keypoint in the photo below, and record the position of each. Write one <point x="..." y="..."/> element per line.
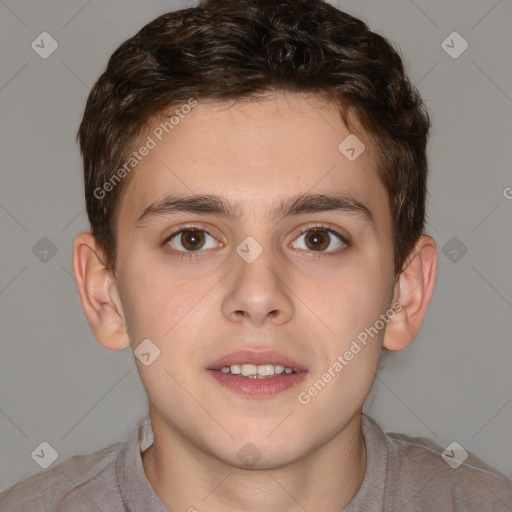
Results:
<point x="250" y="457"/>
<point x="258" y="450"/>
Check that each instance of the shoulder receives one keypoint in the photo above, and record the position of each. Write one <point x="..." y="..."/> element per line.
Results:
<point x="448" y="476"/>
<point x="75" y="484"/>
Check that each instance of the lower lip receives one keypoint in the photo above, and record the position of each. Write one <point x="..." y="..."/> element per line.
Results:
<point x="258" y="388"/>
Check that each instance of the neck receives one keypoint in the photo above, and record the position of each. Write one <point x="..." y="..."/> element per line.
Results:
<point x="186" y="478"/>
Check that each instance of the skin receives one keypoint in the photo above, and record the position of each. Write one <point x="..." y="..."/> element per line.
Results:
<point x="310" y="308"/>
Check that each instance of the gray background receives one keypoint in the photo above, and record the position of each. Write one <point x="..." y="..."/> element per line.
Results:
<point x="58" y="385"/>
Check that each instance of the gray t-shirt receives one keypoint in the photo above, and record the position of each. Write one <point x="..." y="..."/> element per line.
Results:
<point x="402" y="474"/>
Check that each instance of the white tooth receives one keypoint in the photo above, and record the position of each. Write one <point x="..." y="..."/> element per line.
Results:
<point x="265" y="369"/>
<point x="235" y="369"/>
<point x="249" y="369"/>
<point x="256" y="371"/>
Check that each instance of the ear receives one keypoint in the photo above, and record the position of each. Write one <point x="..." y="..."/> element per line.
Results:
<point x="413" y="290"/>
<point x="98" y="294"/>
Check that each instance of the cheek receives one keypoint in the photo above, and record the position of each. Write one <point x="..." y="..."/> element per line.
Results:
<point x="163" y="306"/>
<point x="151" y="301"/>
<point x="350" y="303"/>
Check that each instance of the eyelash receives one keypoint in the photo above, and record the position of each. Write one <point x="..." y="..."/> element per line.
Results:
<point x="192" y="255"/>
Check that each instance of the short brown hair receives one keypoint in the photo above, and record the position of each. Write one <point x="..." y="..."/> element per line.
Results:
<point x="240" y="49"/>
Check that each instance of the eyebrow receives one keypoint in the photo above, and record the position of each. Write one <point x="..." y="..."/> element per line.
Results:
<point x="295" y="205"/>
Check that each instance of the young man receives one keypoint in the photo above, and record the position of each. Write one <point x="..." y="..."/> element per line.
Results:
<point x="255" y="178"/>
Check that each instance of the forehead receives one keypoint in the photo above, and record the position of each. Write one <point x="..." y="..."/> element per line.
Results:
<point x="255" y="154"/>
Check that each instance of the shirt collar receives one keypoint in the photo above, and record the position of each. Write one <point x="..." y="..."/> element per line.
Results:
<point x="136" y="491"/>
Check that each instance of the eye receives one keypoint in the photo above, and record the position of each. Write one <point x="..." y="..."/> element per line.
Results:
<point x="319" y="239"/>
<point x="190" y="239"/>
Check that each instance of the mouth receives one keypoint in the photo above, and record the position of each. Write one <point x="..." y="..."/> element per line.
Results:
<point x="257" y="374"/>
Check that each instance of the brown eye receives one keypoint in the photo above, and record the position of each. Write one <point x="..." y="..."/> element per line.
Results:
<point x="320" y="239"/>
<point x="191" y="240"/>
<point x="317" y="240"/>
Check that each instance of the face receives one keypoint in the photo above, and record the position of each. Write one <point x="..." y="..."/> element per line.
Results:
<point x="289" y="264"/>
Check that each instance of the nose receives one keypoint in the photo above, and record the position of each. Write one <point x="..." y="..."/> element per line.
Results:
<point x="257" y="291"/>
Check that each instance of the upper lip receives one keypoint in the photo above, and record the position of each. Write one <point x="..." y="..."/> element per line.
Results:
<point x="256" y="357"/>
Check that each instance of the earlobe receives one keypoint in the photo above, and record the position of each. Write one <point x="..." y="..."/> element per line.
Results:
<point x="98" y="294"/>
<point x="413" y="290"/>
